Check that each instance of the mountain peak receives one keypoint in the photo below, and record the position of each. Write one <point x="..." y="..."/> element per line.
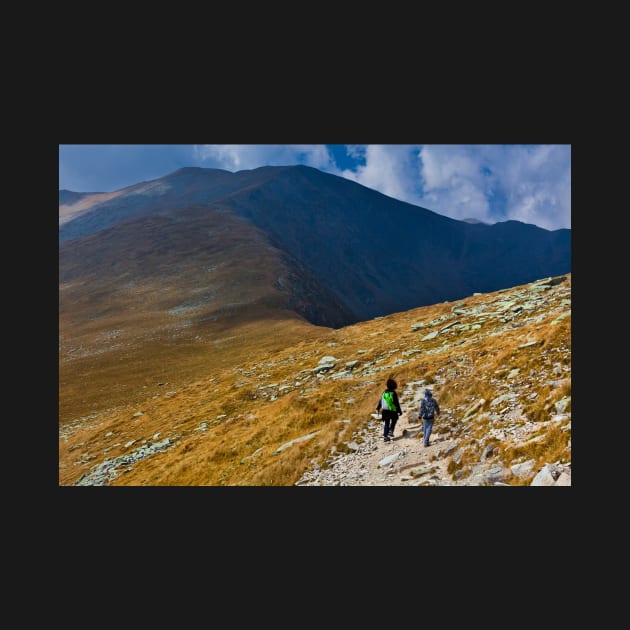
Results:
<point x="192" y="170"/>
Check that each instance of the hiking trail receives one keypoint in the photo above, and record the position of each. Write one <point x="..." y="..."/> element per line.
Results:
<point x="402" y="461"/>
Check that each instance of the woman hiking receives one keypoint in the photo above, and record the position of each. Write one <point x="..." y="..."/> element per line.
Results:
<point x="389" y="406"/>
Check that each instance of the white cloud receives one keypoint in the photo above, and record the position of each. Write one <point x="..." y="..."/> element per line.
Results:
<point x="454" y="183"/>
<point x="529" y="183"/>
<point x="390" y="169"/>
<point x="538" y="179"/>
<point x="356" y="151"/>
<point x="237" y="157"/>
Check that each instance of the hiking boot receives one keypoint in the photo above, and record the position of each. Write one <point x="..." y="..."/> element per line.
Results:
<point x="387" y="439"/>
<point x="391" y="434"/>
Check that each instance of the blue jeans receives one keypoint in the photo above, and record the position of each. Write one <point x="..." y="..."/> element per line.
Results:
<point x="427" y="427"/>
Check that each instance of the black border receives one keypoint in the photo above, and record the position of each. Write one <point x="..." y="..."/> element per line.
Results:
<point x="270" y="101"/>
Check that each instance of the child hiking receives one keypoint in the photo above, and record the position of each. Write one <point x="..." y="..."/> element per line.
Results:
<point x="428" y="408"/>
<point x="389" y="406"/>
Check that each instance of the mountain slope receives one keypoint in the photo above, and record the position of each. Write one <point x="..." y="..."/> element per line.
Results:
<point x="380" y="255"/>
<point x="184" y="187"/>
<point x="376" y="254"/>
<point x="162" y="297"/>
<point x="289" y="413"/>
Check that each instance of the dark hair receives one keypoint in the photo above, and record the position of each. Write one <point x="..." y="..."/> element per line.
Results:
<point x="391" y="383"/>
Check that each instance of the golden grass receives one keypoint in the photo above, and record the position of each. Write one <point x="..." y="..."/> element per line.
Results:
<point x="229" y="406"/>
<point x="552" y="447"/>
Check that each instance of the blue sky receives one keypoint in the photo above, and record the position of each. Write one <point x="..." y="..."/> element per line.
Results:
<point x="489" y="182"/>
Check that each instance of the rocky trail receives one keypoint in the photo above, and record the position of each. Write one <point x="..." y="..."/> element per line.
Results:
<point x="403" y="461"/>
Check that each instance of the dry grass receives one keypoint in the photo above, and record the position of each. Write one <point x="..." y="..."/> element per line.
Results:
<point x="552" y="447"/>
<point x="230" y="403"/>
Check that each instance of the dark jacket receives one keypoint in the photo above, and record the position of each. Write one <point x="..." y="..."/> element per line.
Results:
<point x="379" y="407"/>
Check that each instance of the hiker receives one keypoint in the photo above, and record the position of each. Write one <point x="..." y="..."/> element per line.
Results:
<point x="390" y="409"/>
<point x="428" y="408"/>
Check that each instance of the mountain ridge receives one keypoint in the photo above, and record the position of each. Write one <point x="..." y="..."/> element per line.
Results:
<point x="378" y="254"/>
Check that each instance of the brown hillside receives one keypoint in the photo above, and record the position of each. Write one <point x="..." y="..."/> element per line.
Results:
<point x="248" y="403"/>
<point x="152" y="302"/>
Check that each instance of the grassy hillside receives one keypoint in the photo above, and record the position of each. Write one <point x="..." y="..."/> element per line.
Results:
<point x="228" y="410"/>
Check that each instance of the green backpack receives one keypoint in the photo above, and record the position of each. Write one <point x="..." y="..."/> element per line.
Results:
<point x="388" y="397"/>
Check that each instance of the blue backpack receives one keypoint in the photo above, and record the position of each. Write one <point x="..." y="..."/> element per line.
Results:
<point x="428" y="407"/>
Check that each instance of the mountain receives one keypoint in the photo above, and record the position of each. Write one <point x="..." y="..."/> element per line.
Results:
<point x="68" y="197"/>
<point x="164" y="282"/>
<point x="371" y="254"/>
<point x="74" y="204"/>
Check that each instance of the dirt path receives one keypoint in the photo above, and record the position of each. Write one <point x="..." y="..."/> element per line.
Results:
<point x="403" y="461"/>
